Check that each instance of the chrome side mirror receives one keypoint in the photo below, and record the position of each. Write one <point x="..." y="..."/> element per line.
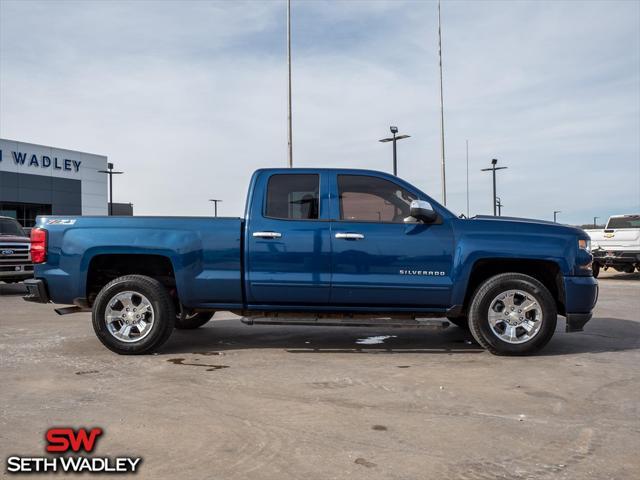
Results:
<point x="421" y="210"/>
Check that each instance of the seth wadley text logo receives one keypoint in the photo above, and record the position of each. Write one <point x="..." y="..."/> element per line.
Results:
<point x="67" y="440"/>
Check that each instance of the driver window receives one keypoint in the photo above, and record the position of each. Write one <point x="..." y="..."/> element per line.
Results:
<point x="372" y="199"/>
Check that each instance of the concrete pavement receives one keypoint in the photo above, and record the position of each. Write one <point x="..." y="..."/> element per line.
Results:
<point x="231" y="401"/>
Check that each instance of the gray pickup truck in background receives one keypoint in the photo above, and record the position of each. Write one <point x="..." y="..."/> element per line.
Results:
<point x="15" y="259"/>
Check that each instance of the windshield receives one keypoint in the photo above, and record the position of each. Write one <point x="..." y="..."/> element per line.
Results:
<point x="630" y="221"/>
<point x="9" y="226"/>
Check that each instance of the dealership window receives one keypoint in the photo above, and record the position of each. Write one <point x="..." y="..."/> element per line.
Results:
<point x="24" y="213"/>
<point x="372" y="199"/>
<point x="293" y="196"/>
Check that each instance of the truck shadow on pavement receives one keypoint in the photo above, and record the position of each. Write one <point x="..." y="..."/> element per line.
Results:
<point x="613" y="275"/>
<point x="601" y="335"/>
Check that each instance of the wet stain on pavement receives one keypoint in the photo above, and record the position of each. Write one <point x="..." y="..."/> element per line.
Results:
<point x="210" y="368"/>
<point x="364" y="462"/>
<point x="380" y="428"/>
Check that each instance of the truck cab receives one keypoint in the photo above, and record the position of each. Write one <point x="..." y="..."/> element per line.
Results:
<point x="344" y="239"/>
<point x="319" y="247"/>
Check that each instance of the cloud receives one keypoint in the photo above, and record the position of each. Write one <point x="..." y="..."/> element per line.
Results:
<point x="188" y="98"/>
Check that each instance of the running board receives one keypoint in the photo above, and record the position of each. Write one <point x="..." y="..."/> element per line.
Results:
<point x="68" y="310"/>
<point x="360" y="321"/>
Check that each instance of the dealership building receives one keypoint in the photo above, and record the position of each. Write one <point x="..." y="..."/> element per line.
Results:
<point x="41" y="180"/>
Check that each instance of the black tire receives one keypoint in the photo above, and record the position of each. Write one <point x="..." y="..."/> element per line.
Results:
<point x="164" y="314"/>
<point x="487" y="293"/>
<point x="461" y="322"/>
<point x="596" y="269"/>
<point x="185" y="321"/>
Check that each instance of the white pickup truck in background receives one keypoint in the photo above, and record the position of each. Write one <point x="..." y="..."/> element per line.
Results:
<point x="618" y="245"/>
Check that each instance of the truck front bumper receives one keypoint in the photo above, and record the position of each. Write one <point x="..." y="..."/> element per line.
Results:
<point x="37" y="291"/>
<point x="16" y="271"/>
<point x="581" y="295"/>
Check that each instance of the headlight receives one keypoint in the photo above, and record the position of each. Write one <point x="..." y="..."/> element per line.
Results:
<point x="584" y="245"/>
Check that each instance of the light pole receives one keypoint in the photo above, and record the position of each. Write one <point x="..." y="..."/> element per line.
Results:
<point x="555" y="215"/>
<point x="215" y="205"/>
<point x="289" y="121"/>
<point x="493" y="169"/>
<point x="394" y="139"/>
<point x="499" y="205"/>
<point x="595" y="223"/>
<point x="111" y="173"/>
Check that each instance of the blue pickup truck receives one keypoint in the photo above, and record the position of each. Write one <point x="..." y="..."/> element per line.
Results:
<point x="318" y="247"/>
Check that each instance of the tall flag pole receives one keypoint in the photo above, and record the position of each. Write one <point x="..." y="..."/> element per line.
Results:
<point x="289" y="125"/>
<point x="443" y="174"/>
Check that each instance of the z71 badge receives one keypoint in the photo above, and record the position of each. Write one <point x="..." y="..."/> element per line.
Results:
<point x="426" y="273"/>
<point x="61" y="221"/>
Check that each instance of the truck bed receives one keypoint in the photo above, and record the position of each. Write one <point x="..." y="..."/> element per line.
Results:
<point x="205" y="253"/>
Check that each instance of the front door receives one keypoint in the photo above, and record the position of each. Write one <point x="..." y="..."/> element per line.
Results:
<point x="288" y="241"/>
<point x="378" y="259"/>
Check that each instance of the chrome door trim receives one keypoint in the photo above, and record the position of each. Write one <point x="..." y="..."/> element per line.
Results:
<point x="349" y="236"/>
<point x="267" y="234"/>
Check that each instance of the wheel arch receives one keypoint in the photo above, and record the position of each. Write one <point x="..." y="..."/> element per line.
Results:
<point x="104" y="267"/>
<point x="547" y="272"/>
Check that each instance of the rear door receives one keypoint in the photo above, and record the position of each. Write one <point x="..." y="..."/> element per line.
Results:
<point x="377" y="258"/>
<point x="288" y="242"/>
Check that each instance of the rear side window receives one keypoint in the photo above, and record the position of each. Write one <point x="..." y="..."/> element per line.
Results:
<point x="293" y="196"/>
<point x="372" y="199"/>
<point x="629" y="221"/>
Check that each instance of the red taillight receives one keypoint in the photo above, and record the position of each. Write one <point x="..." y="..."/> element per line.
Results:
<point x="38" y="245"/>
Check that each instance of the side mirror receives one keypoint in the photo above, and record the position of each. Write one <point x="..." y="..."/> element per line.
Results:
<point x="421" y="210"/>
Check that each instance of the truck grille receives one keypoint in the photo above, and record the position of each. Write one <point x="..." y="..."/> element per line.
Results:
<point x="14" y="253"/>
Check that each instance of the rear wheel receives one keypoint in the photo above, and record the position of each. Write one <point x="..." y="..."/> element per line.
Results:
<point x="133" y="315"/>
<point x="186" y="321"/>
<point x="512" y="314"/>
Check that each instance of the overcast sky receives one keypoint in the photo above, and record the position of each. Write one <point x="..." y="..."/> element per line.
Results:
<point x="189" y="97"/>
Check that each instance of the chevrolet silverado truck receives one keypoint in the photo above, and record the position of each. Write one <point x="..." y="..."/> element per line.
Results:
<point x="318" y="247"/>
<point x="618" y="245"/>
<point x="15" y="261"/>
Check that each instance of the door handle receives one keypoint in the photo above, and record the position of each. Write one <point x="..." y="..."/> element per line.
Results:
<point x="267" y="234"/>
<point x="350" y="236"/>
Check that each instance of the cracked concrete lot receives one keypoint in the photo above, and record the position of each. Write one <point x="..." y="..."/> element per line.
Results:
<point x="231" y="401"/>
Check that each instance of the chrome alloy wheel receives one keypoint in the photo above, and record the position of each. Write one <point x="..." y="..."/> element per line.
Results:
<point x="129" y="316"/>
<point x="515" y="316"/>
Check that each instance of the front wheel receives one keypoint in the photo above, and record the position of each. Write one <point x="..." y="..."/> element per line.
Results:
<point x="133" y="314"/>
<point x="512" y="314"/>
<point x="595" y="268"/>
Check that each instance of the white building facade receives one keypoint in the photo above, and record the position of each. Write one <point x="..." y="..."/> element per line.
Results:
<point x="41" y="180"/>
